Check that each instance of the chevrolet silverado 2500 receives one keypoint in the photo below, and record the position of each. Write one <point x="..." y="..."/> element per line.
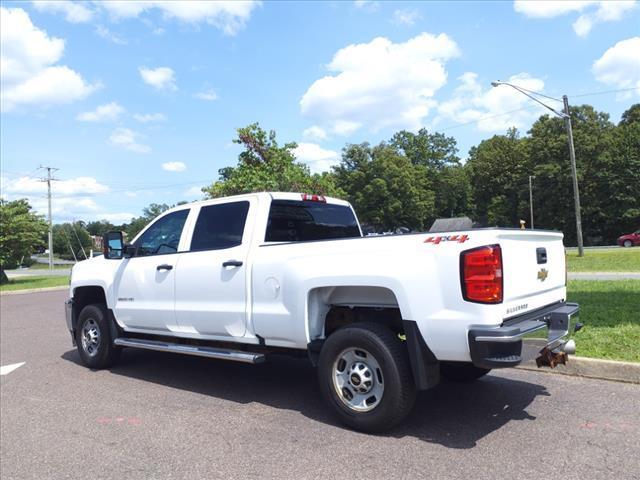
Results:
<point x="243" y="277"/>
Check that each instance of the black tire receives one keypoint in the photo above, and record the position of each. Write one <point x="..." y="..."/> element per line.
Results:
<point x="101" y="354"/>
<point x="462" y="372"/>
<point x="390" y="354"/>
<point x="627" y="243"/>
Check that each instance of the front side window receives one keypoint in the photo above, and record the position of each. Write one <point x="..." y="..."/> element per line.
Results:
<point x="163" y="236"/>
<point x="220" y="226"/>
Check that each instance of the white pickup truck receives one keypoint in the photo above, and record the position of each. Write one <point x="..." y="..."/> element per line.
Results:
<point x="243" y="277"/>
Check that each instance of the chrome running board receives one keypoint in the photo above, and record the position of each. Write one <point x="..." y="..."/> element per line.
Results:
<point x="209" y="352"/>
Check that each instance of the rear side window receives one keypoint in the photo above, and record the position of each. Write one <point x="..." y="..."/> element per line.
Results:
<point x="220" y="226"/>
<point x="294" y="221"/>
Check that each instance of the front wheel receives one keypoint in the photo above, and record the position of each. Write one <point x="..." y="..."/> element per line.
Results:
<point x="627" y="243"/>
<point x="93" y="337"/>
<point x="365" y="376"/>
<point x="462" y="372"/>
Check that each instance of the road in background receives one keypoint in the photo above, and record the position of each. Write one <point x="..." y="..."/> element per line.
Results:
<point x="162" y="415"/>
<point x="604" y="275"/>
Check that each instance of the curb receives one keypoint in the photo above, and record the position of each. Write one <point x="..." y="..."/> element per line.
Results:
<point x="33" y="290"/>
<point x="627" y="372"/>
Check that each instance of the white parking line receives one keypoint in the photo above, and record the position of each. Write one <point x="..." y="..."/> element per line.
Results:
<point x="7" y="369"/>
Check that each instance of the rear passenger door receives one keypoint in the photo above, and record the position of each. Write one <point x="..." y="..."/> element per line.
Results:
<point x="211" y="278"/>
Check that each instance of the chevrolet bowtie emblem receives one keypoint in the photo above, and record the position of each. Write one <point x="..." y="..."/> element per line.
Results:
<point x="543" y="274"/>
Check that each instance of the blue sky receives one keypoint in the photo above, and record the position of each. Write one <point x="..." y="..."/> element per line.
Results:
<point x="138" y="102"/>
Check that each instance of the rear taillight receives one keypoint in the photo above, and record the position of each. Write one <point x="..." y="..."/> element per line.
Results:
<point x="481" y="274"/>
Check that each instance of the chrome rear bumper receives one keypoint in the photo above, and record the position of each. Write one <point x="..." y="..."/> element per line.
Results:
<point x="524" y="337"/>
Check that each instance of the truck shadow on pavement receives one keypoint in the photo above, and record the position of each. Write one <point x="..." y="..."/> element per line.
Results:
<point x="452" y="415"/>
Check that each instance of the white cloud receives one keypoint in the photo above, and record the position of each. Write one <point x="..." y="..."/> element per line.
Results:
<point x="406" y="16"/>
<point x="74" y="12"/>
<point x="150" y="117"/>
<point x="115" y="218"/>
<point x="317" y="158"/>
<point x="471" y="102"/>
<point x="619" y="66"/>
<point x="368" y="5"/>
<point x="228" y="16"/>
<point x="208" y="95"/>
<point x="314" y="133"/>
<point x="74" y="186"/>
<point x="128" y="139"/>
<point x="174" y="166"/>
<point x="107" y="34"/>
<point x="380" y="84"/>
<point x="194" y="192"/>
<point x="161" y="78"/>
<point x="28" y="72"/>
<point x="538" y="9"/>
<point x="594" y="11"/>
<point x="109" y="112"/>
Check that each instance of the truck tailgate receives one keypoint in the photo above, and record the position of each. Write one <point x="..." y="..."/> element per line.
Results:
<point x="533" y="263"/>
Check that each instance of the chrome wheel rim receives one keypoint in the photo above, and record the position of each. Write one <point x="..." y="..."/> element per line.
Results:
<point x="90" y="337"/>
<point x="357" y="380"/>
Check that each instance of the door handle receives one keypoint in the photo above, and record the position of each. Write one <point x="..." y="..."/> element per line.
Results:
<point x="232" y="263"/>
<point x="164" y="266"/>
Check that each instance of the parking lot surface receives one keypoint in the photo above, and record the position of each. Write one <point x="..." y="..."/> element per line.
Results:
<point x="161" y="415"/>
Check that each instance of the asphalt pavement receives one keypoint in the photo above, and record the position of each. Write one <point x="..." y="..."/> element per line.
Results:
<point x="168" y="416"/>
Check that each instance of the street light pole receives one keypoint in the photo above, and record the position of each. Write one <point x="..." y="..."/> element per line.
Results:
<point x="531" y="200"/>
<point x="565" y="115"/>
<point x="574" y="174"/>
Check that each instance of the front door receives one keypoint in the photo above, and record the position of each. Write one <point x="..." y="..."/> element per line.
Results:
<point x="211" y="293"/>
<point x="145" y="283"/>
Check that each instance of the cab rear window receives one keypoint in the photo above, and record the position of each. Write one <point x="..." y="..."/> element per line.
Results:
<point x="300" y="221"/>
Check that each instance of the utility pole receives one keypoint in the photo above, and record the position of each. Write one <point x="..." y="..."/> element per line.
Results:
<point x="531" y="199"/>
<point x="49" y="179"/>
<point x="574" y="174"/>
<point x="566" y="116"/>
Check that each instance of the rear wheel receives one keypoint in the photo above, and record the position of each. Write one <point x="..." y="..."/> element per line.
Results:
<point x="462" y="372"/>
<point x="627" y="243"/>
<point x="93" y="337"/>
<point x="365" y="377"/>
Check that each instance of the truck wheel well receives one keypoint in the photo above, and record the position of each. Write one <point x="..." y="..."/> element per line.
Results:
<point x="332" y="307"/>
<point x="340" y="316"/>
<point x="83" y="296"/>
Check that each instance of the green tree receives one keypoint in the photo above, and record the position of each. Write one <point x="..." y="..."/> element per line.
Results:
<point x="71" y="241"/>
<point x="148" y="213"/>
<point x="264" y="165"/>
<point x="618" y="187"/>
<point x="438" y="154"/>
<point x="385" y="188"/>
<point x="498" y="170"/>
<point x="21" y="232"/>
<point x="547" y="149"/>
<point x="100" y="227"/>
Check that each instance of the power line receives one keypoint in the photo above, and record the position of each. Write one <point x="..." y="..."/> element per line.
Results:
<point x="603" y="92"/>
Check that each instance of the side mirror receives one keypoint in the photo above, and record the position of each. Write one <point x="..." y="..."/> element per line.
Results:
<point x="113" y="245"/>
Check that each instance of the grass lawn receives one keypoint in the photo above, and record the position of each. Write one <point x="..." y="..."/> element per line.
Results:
<point x="605" y="260"/>
<point x="611" y="316"/>
<point x="23" y="283"/>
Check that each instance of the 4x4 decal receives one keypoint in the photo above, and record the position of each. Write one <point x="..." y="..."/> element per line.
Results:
<point x="447" y="238"/>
